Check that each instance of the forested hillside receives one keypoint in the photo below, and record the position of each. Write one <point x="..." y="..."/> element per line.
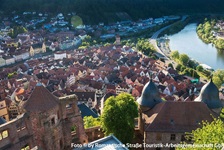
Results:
<point x="93" y="11"/>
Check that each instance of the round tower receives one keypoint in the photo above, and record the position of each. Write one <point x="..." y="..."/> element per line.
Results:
<point x="149" y="98"/>
<point x="210" y="96"/>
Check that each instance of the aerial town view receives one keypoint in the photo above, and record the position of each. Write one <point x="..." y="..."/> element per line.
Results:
<point x="111" y="75"/>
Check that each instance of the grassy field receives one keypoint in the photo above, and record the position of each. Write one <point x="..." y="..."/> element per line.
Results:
<point x="76" y="21"/>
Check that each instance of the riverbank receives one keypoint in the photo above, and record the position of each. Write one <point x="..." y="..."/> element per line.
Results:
<point x="210" y="31"/>
<point x="180" y="25"/>
<point x="163" y="44"/>
<point x="187" y="41"/>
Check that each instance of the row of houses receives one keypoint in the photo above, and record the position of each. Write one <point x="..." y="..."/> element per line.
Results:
<point x="28" y="45"/>
<point x="19" y="55"/>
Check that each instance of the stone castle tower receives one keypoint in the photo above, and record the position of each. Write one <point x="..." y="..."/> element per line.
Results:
<point x="46" y="123"/>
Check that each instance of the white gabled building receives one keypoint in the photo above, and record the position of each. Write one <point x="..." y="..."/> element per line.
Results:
<point x="60" y="55"/>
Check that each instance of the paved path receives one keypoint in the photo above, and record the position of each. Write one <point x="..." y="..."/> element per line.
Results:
<point x="154" y="37"/>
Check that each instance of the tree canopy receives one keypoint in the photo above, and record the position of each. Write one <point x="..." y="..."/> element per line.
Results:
<point x="16" y="30"/>
<point x="218" y="77"/>
<point x="95" y="11"/>
<point x="205" y="32"/>
<point x="175" y="55"/>
<point x="89" y="122"/>
<point x="222" y="114"/>
<point x="210" y="133"/>
<point x="118" y="117"/>
<point x="144" y="46"/>
<point x="183" y="58"/>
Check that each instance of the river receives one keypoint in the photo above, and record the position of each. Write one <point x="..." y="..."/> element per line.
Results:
<point x="186" y="41"/>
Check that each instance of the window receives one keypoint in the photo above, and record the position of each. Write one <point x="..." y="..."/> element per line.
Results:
<point x="68" y="106"/>
<point x="158" y="136"/>
<point x="21" y="126"/>
<point x="5" y="134"/>
<point x="61" y="144"/>
<point x="27" y="147"/>
<point x="52" y="121"/>
<point x="172" y="137"/>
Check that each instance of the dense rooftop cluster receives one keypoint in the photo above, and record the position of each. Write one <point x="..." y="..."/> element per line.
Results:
<point x="98" y="71"/>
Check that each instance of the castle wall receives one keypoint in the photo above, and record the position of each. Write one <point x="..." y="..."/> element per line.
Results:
<point x="48" y="130"/>
<point x="15" y="134"/>
<point x="162" y="140"/>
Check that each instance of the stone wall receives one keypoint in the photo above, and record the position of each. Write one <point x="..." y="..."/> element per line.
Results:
<point x="72" y="118"/>
<point x="94" y="133"/>
<point x="15" y="134"/>
<point x="161" y="139"/>
<point x="47" y="129"/>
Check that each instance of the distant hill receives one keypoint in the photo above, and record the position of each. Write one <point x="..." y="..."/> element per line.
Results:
<point x="94" y="11"/>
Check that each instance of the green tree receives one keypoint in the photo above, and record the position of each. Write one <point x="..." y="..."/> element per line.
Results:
<point x="210" y="133"/>
<point x="118" y="117"/>
<point x="175" y="55"/>
<point x="192" y="64"/>
<point x="88" y="38"/>
<point x="182" y="68"/>
<point x="16" y="30"/>
<point x="222" y="114"/>
<point x="217" y="81"/>
<point x="218" y="77"/>
<point x="199" y="68"/>
<point x="219" y="44"/>
<point x="183" y="59"/>
<point x="89" y="122"/>
<point x="10" y="75"/>
<point x="144" y="46"/>
<point x="170" y="65"/>
<point x="178" y="67"/>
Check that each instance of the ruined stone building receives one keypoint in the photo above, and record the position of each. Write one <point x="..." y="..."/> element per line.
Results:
<point x="168" y="121"/>
<point x="46" y="123"/>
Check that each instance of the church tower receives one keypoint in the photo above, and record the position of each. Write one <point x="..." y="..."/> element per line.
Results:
<point x="44" y="49"/>
<point x="118" y="39"/>
<point x="31" y="51"/>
